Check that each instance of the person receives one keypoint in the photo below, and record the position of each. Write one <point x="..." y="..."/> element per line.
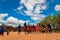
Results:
<point x="25" y="25"/>
<point x="2" y="29"/>
<point x="28" y="28"/>
<point x="19" y="29"/>
<point x="33" y="27"/>
<point x="7" y="30"/>
<point x="49" y="27"/>
<point x="47" y="30"/>
<point x="39" y="28"/>
<point x="42" y="28"/>
<point x="36" y="28"/>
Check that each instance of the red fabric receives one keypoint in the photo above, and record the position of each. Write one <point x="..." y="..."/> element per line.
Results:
<point x="47" y="28"/>
<point x="30" y="28"/>
<point x="41" y="28"/>
<point x="36" y="28"/>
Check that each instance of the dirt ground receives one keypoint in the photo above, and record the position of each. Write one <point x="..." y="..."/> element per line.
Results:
<point x="23" y="36"/>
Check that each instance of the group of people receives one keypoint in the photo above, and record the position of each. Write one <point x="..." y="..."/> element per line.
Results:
<point x="29" y="28"/>
<point x="2" y="29"/>
<point x="36" y="28"/>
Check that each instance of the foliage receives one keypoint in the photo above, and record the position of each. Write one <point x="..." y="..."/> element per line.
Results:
<point x="53" y="20"/>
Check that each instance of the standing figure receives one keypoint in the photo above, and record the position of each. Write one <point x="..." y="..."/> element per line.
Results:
<point x="19" y="29"/>
<point x="2" y="29"/>
<point x="49" y="27"/>
<point x="25" y="25"/>
<point x="30" y="28"/>
<point x="33" y="28"/>
<point x="42" y="29"/>
<point x="37" y="28"/>
<point x="47" y="30"/>
<point x="7" y="30"/>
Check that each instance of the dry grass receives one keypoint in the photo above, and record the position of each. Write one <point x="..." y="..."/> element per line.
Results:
<point x="22" y="36"/>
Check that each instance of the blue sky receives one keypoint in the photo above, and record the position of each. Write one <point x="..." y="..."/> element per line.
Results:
<point x="32" y="11"/>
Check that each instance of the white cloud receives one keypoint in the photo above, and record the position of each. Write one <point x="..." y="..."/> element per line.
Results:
<point x="12" y="20"/>
<point x="31" y="3"/>
<point x="29" y="13"/>
<point x="37" y="9"/>
<point x="34" y="8"/>
<point x="44" y="7"/>
<point x="2" y="15"/>
<point x="22" y="22"/>
<point x="40" y="1"/>
<point x="42" y="16"/>
<point x="13" y="25"/>
<point x="8" y="24"/>
<point x="29" y="6"/>
<point x="38" y="17"/>
<point x="3" y="21"/>
<point x="35" y="18"/>
<point x="57" y="7"/>
<point x="20" y="7"/>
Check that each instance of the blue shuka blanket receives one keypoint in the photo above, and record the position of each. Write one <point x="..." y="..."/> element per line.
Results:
<point x="1" y="30"/>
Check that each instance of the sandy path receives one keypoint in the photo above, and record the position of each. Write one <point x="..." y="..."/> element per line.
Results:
<point x="22" y="36"/>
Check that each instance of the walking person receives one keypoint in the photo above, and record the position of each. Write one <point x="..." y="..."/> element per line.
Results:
<point x="36" y="28"/>
<point x="42" y="28"/>
<point x="19" y="29"/>
<point x="33" y="28"/>
<point x="50" y="28"/>
<point x="47" y="30"/>
<point x="25" y="25"/>
<point x="2" y="29"/>
<point x="28" y="30"/>
<point x="7" y="30"/>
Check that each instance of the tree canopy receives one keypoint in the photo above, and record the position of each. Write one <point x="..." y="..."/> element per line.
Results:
<point x="52" y="19"/>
